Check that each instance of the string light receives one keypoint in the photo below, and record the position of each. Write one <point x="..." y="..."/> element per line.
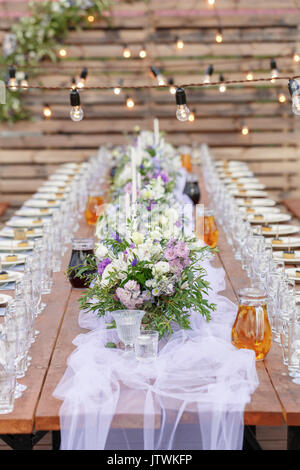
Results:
<point x="76" y="113"/>
<point x="211" y="2"/>
<point x="156" y="73"/>
<point x="294" y="89"/>
<point x="47" y="112"/>
<point x="296" y="56"/>
<point x="182" y="111"/>
<point x="12" y="81"/>
<point x="143" y="53"/>
<point x="192" y="116"/>
<point x="62" y="52"/>
<point x="179" y="43"/>
<point x="219" y="36"/>
<point x="281" y="98"/>
<point x="222" y="86"/>
<point x="117" y="89"/>
<point x="24" y="82"/>
<point x="274" y="70"/>
<point x="91" y="18"/>
<point x="130" y="102"/>
<point x="73" y="83"/>
<point x="126" y="52"/>
<point x="245" y="129"/>
<point x="82" y="78"/>
<point x="250" y="75"/>
<point x="208" y="73"/>
<point x="172" y="88"/>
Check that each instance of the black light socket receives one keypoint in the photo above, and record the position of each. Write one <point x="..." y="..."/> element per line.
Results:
<point x="180" y="96"/>
<point x="74" y="97"/>
<point x="12" y="72"/>
<point x="294" y="87"/>
<point x="84" y="73"/>
<point x="155" y="71"/>
<point x="273" y="64"/>
<point x="210" y="70"/>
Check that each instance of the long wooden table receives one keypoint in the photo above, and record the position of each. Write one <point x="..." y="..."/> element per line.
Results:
<point x="275" y="401"/>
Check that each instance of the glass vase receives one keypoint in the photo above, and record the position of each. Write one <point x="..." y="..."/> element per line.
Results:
<point x="128" y="324"/>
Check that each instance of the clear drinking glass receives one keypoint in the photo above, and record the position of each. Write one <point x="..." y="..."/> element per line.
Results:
<point x="294" y="352"/>
<point x="128" y="326"/>
<point x="7" y="377"/>
<point x="146" y="346"/>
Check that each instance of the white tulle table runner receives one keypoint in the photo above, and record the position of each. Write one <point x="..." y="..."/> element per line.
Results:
<point x="197" y="388"/>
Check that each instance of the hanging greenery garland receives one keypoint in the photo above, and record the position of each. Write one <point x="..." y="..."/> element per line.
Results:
<point x="38" y="37"/>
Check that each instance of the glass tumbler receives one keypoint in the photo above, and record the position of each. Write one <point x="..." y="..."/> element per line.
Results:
<point x="128" y="326"/>
<point x="146" y="346"/>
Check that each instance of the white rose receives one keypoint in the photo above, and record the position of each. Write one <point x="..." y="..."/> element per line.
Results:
<point x="162" y="267"/>
<point x="137" y="238"/>
<point x="101" y="251"/>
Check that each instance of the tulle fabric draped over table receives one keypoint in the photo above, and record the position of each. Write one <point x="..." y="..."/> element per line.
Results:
<point x="192" y="397"/>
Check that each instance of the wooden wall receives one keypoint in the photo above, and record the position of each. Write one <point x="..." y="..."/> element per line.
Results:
<point x="253" y="32"/>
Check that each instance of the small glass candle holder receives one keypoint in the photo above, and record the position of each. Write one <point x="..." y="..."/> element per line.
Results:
<point x="146" y="346"/>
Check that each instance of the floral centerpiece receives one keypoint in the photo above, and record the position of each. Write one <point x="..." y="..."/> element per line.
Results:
<point x="163" y="277"/>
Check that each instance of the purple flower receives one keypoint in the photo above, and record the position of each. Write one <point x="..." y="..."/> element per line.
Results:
<point x="176" y="266"/>
<point x="134" y="262"/>
<point x="170" y="253"/>
<point x="181" y="250"/>
<point x="117" y="238"/>
<point x="128" y="188"/>
<point x="102" y="265"/>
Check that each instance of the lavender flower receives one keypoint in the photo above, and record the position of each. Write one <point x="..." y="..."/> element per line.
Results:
<point x="134" y="262"/>
<point x="102" y="265"/>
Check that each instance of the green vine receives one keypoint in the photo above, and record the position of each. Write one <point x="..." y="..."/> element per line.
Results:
<point x="39" y="37"/>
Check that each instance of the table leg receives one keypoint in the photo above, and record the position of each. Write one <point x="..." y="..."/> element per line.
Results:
<point x="250" y="442"/>
<point x="22" y="441"/>
<point x="55" y="440"/>
<point x="293" y="438"/>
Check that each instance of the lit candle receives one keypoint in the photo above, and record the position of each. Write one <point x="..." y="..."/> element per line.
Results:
<point x="156" y="132"/>
<point x="133" y="177"/>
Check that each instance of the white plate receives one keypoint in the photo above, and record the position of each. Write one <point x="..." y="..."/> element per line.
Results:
<point x="268" y="218"/>
<point x="12" y="277"/>
<point x="278" y="256"/>
<point x="281" y="230"/>
<point x="235" y="174"/>
<point x="27" y="212"/>
<point x="258" y="210"/>
<point x="54" y="188"/>
<point x="233" y="163"/>
<point x="286" y="242"/>
<point x="264" y="202"/>
<point x="4" y="299"/>
<point x="11" y="234"/>
<point x="13" y="245"/>
<point x="49" y="196"/>
<point x="246" y="186"/>
<point x="291" y="272"/>
<point x="42" y="203"/>
<point x="248" y="193"/>
<point x="25" y="222"/>
<point x="62" y="178"/>
<point x="236" y="181"/>
<point x="21" y="259"/>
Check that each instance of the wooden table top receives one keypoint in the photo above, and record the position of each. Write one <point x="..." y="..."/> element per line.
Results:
<point x="275" y="400"/>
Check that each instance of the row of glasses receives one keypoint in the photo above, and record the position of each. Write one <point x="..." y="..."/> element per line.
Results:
<point x="256" y="255"/>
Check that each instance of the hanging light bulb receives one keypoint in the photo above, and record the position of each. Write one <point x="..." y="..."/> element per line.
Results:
<point x="281" y="98"/>
<point x="126" y="52"/>
<point x="130" y="102"/>
<point x="250" y="75"/>
<point x="294" y="89"/>
<point x="47" y="112"/>
<point x="82" y="78"/>
<point x="245" y="129"/>
<point x="76" y="113"/>
<point x="156" y="73"/>
<point x="219" y="36"/>
<point x="296" y="56"/>
<point x="182" y="112"/>
<point x="62" y="52"/>
<point x="12" y="81"/>
<point x="208" y="73"/>
<point x="179" y="43"/>
<point x="143" y="53"/>
<point x="222" y="86"/>
<point x="172" y="88"/>
<point x="192" y="116"/>
<point x="24" y="82"/>
<point x="211" y="2"/>
<point x="117" y="90"/>
<point x="274" y="70"/>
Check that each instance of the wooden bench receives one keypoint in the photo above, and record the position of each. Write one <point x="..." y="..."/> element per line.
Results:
<point x="293" y="205"/>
